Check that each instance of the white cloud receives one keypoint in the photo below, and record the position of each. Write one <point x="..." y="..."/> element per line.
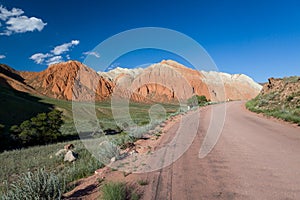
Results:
<point x="75" y="42"/>
<point x="55" y="59"/>
<point x="92" y="53"/>
<point x="2" y="56"/>
<point x="55" y="55"/>
<point x="58" y="50"/>
<point x="16" y="22"/>
<point x="39" y="58"/>
<point x="24" y="24"/>
<point x="5" y="14"/>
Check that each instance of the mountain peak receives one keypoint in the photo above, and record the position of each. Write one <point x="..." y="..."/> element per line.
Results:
<point x="166" y="81"/>
<point x="58" y="81"/>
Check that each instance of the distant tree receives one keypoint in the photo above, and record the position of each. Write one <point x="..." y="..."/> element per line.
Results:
<point x="42" y="129"/>
<point x="197" y="100"/>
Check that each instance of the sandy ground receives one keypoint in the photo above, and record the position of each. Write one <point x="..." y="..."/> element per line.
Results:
<point x="255" y="158"/>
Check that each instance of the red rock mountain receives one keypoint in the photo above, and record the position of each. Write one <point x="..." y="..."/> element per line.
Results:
<point x="163" y="82"/>
<point x="12" y="79"/>
<point x="171" y="81"/>
<point x="167" y="81"/>
<point x="69" y="80"/>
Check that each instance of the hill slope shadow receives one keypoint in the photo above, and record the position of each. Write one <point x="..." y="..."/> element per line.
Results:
<point x="16" y="106"/>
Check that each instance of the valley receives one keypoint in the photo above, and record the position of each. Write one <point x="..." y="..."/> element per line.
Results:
<point x="149" y="100"/>
<point x="31" y="94"/>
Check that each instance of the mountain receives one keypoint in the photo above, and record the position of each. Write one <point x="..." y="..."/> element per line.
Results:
<point x="16" y="103"/>
<point x="234" y="87"/>
<point x="167" y="81"/>
<point x="11" y="78"/>
<point x="60" y="80"/>
<point x="114" y="73"/>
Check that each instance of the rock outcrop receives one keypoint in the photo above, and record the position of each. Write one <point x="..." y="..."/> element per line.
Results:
<point x="225" y="86"/>
<point x="167" y="81"/>
<point x="12" y="79"/>
<point x="69" y="80"/>
<point x="283" y="88"/>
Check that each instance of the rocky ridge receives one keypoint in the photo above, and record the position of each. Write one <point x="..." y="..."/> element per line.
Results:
<point x="167" y="81"/>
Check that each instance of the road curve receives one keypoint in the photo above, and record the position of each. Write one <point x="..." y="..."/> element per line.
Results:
<point x="254" y="158"/>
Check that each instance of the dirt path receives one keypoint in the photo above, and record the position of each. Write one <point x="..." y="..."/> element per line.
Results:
<point x="255" y="158"/>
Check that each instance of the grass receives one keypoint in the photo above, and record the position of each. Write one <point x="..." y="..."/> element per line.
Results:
<point x="270" y="105"/>
<point x="142" y="182"/>
<point x="118" y="191"/>
<point x="15" y="106"/>
<point x="32" y="159"/>
<point x="291" y="79"/>
<point x="38" y="185"/>
<point x="114" y="191"/>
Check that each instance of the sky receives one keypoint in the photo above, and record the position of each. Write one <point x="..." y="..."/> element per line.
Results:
<point x="258" y="38"/>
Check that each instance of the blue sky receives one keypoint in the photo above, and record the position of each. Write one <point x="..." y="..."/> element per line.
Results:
<point x="257" y="38"/>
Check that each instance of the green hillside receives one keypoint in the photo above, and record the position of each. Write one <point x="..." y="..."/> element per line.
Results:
<point x="279" y="98"/>
<point x="15" y="106"/>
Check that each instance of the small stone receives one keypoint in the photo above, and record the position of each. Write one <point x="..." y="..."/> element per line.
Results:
<point x="113" y="159"/>
<point x="70" y="156"/>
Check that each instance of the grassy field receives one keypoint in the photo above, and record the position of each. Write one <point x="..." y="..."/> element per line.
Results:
<point x="31" y="159"/>
<point x="270" y="105"/>
<point x="16" y="107"/>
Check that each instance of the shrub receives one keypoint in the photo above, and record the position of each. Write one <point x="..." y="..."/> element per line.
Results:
<point x="42" y="129"/>
<point x="107" y="151"/>
<point x="38" y="185"/>
<point x="197" y="100"/>
<point x="142" y="182"/>
<point x="114" y="191"/>
<point x="119" y="191"/>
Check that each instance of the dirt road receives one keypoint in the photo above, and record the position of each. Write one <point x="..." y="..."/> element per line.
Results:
<point x="255" y="158"/>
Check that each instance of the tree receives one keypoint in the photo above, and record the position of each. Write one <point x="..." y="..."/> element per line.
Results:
<point x="42" y="129"/>
<point x="197" y="100"/>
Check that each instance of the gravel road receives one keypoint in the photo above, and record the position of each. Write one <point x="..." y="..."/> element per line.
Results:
<point x="254" y="158"/>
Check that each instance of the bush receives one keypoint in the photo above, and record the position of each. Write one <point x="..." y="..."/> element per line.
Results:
<point x="119" y="191"/>
<point x="262" y="104"/>
<point x="38" y="185"/>
<point x="114" y="191"/>
<point x="42" y="129"/>
<point x="142" y="182"/>
<point x="197" y="100"/>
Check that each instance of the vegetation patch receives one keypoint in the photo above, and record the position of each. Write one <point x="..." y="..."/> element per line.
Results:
<point x="32" y="159"/>
<point x="142" y="182"/>
<point x="197" y="100"/>
<point x="271" y="104"/>
<point x="37" y="185"/>
<point x="118" y="191"/>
